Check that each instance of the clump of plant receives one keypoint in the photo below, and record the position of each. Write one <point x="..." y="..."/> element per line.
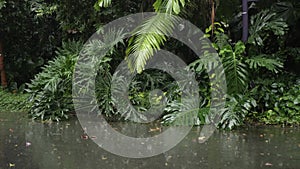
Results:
<point x="277" y="101"/>
<point x="240" y="64"/>
<point x="151" y="95"/>
<point x="13" y="101"/>
<point x="51" y="90"/>
<point x="286" y="109"/>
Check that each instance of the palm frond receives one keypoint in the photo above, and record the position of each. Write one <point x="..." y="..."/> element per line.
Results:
<point x="169" y="6"/>
<point x="148" y="39"/>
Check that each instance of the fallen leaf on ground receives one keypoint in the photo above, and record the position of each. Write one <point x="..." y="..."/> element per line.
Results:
<point x="155" y="129"/>
<point x="27" y="144"/>
<point x="201" y="138"/>
<point x="93" y="137"/>
<point x="84" y="136"/>
<point x="104" y="158"/>
<point x="268" y="164"/>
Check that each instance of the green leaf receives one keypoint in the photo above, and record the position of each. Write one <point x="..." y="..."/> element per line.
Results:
<point x="262" y="23"/>
<point x="239" y="48"/>
<point x="261" y="61"/>
<point x="147" y="39"/>
<point x="182" y="2"/>
<point x="157" y="5"/>
<point x="235" y="70"/>
<point x="169" y="6"/>
<point x="102" y="3"/>
<point x="176" y="6"/>
<point x="2" y="4"/>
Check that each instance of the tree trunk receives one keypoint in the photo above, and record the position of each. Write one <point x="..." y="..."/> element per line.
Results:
<point x="2" y="70"/>
<point x="245" y="20"/>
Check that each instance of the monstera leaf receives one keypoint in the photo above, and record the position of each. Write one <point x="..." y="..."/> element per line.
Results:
<point x="262" y="24"/>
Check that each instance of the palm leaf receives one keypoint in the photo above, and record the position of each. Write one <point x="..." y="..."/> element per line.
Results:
<point x="148" y="39"/>
<point x="169" y="6"/>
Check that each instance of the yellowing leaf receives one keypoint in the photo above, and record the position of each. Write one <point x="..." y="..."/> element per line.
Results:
<point x="12" y="165"/>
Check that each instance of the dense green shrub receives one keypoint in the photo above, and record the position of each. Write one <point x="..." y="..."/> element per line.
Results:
<point x="277" y="102"/>
<point x="286" y="110"/>
<point x="13" y="102"/>
<point x="51" y="89"/>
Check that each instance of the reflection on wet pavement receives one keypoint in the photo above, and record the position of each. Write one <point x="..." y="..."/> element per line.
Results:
<point x="31" y="145"/>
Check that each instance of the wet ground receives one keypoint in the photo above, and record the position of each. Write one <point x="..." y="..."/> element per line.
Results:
<point x="31" y="145"/>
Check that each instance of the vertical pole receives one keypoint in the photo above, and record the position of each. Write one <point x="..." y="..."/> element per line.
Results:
<point x="212" y="18"/>
<point x="2" y="70"/>
<point x="245" y="20"/>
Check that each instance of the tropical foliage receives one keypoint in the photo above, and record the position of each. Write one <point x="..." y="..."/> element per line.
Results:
<point x="52" y="88"/>
<point x="286" y="108"/>
<point x="261" y="73"/>
<point x="277" y="101"/>
<point x="13" y="101"/>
